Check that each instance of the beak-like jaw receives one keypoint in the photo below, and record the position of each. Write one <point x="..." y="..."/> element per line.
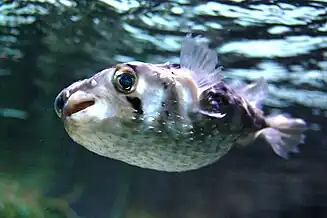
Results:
<point x="66" y="106"/>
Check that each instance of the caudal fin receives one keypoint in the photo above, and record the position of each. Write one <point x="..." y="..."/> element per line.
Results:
<point x="284" y="134"/>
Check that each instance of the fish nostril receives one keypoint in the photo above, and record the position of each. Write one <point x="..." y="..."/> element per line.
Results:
<point x="59" y="104"/>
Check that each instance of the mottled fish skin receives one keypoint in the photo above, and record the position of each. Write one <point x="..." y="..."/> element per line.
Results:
<point x="172" y="120"/>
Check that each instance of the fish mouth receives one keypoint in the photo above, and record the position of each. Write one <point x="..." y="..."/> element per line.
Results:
<point x="77" y="102"/>
<point x="77" y="107"/>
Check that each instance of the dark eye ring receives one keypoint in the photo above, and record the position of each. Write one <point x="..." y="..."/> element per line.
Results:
<point x="124" y="80"/>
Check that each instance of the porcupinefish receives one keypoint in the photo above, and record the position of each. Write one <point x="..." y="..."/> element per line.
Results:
<point x="172" y="117"/>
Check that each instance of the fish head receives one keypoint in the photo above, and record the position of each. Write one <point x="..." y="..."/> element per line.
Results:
<point x="112" y="100"/>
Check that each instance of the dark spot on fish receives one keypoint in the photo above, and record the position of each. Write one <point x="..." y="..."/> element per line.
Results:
<point x="167" y="113"/>
<point x="163" y="104"/>
<point x="124" y="135"/>
<point x="165" y="85"/>
<point x="176" y="66"/>
<point x="136" y="104"/>
<point x="223" y="100"/>
<point x="217" y="66"/>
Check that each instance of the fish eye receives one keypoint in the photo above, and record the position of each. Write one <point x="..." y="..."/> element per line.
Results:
<point x="219" y="100"/>
<point x="124" y="80"/>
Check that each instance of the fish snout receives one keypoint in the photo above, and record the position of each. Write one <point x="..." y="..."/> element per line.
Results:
<point x="59" y="103"/>
<point x="66" y="105"/>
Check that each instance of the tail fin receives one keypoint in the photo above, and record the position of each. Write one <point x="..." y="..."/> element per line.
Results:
<point x="284" y="134"/>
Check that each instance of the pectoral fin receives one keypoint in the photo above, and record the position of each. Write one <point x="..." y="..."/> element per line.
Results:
<point x="254" y="92"/>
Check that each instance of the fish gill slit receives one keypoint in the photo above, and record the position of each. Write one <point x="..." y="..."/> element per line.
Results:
<point x="136" y="104"/>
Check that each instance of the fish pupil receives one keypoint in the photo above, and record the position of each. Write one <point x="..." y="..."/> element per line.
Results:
<point x="215" y="105"/>
<point x="215" y="102"/>
<point x="126" y="81"/>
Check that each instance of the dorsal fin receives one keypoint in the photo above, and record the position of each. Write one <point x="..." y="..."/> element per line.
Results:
<point x="254" y="92"/>
<point x="201" y="61"/>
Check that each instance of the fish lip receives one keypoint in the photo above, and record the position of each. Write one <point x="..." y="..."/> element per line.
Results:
<point x="76" y="106"/>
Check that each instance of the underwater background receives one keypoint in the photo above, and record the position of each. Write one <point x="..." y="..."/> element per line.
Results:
<point x="45" y="45"/>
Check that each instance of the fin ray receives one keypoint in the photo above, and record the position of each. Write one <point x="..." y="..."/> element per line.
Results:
<point x="254" y="92"/>
<point x="284" y="134"/>
<point x="202" y="61"/>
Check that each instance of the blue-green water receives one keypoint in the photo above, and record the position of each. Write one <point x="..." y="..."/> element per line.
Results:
<point x="46" y="45"/>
